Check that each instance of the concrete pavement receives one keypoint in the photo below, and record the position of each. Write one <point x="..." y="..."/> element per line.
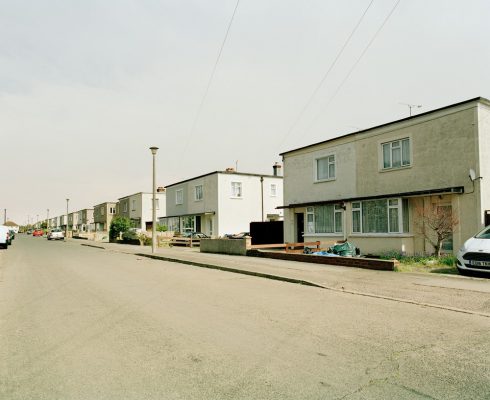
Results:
<point x="451" y="292"/>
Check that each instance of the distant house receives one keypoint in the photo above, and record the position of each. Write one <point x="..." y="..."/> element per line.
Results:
<point x="138" y="208"/>
<point x="72" y="221"/>
<point x="103" y="214"/>
<point x="372" y="187"/>
<point x="222" y="202"/>
<point x="85" y="221"/>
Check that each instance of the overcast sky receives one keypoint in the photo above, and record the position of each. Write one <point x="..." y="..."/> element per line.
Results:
<point x="86" y="87"/>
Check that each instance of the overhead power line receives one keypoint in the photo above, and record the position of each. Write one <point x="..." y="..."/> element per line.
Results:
<point x="354" y="65"/>
<point x="210" y="80"/>
<point x="320" y="84"/>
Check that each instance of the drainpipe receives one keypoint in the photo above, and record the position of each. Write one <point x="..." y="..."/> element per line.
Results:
<point x="262" y="195"/>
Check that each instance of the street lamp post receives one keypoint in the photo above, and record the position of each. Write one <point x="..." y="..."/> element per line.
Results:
<point x="154" y="203"/>
<point x="66" y="222"/>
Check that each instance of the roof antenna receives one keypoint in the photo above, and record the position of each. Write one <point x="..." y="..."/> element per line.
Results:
<point x="410" y="106"/>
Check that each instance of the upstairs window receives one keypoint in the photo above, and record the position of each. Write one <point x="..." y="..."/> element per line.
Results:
<point x="236" y="189"/>
<point x="396" y="154"/>
<point x="325" y="168"/>
<point x="102" y="211"/>
<point x="198" y="193"/>
<point x="112" y="210"/>
<point x="179" y="196"/>
<point x="273" y="190"/>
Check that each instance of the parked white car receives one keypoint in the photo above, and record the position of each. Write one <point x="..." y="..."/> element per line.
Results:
<point x="4" y="237"/>
<point x="475" y="254"/>
<point x="56" y="234"/>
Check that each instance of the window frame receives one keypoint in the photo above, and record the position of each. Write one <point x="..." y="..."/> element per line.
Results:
<point x="179" y="196"/>
<point x="392" y="149"/>
<point x="329" y="163"/>
<point x="310" y="221"/>
<point x="234" y="193"/>
<point x="196" y="197"/>
<point x="401" y="204"/>
<point x="273" y="189"/>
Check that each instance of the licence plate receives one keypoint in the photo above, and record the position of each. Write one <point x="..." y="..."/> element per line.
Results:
<point x="480" y="263"/>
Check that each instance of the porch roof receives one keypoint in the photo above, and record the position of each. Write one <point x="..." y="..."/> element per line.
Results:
<point x="429" y="192"/>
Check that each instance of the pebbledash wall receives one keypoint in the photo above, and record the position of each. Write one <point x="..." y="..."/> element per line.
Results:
<point x="367" y="186"/>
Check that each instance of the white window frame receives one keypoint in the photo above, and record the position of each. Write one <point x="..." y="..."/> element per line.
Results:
<point x="273" y="189"/>
<point x="311" y="223"/>
<point x="331" y="161"/>
<point x="112" y="210"/>
<point x="398" y="206"/>
<point x="102" y="211"/>
<point x="157" y="203"/>
<point x="236" y="190"/>
<point x="125" y="206"/>
<point x="179" y="196"/>
<point x="394" y="145"/>
<point x="200" y="191"/>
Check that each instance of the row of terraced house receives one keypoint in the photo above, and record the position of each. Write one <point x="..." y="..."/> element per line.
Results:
<point x="367" y="187"/>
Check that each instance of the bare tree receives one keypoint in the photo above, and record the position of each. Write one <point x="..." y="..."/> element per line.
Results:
<point x="436" y="224"/>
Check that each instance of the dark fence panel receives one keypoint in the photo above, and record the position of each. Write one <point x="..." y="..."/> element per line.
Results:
<point x="271" y="232"/>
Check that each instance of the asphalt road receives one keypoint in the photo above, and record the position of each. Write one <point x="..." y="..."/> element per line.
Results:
<point x="82" y="323"/>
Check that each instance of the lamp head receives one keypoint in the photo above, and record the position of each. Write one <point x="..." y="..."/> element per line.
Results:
<point x="153" y="150"/>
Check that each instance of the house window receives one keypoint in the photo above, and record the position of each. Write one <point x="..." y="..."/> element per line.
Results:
<point x="324" y="219"/>
<point x="273" y="190"/>
<point x="325" y="168"/>
<point x="179" y="196"/>
<point x="396" y="154"/>
<point x="125" y="207"/>
<point x="188" y="224"/>
<point x="134" y="205"/>
<point x="380" y="216"/>
<point x="102" y="211"/>
<point x="112" y="210"/>
<point x="157" y="204"/>
<point x="198" y="193"/>
<point x="236" y="189"/>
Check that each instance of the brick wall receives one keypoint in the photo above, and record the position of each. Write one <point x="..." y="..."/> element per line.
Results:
<point x="358" y="262"/>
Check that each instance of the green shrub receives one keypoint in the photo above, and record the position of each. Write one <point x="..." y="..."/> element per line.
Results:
<point x="119" y="225"/>
<point x="130" y="235"/>
<point x="162" y="228"/>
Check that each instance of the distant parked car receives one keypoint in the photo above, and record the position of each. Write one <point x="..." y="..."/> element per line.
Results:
<point x="195" y="235"/>
<point x="240" y="235"/>
<point x="474" y="256"/>
<point x="37" y="232"/>
<point x="4" y="237"/>
<point x="55" y="234"/>
<point x="29" y="232"/>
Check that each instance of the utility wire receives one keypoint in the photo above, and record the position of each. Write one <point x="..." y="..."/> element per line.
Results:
<point x="210" y="80"/>
<point x="320" y="84"/>
<point x="353" y="66"/>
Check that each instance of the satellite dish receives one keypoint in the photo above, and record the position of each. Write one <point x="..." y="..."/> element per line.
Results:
<point x="472" y="174"/>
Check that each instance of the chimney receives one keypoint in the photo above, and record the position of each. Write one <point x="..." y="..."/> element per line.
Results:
<point x="160" y="189"/>
<point x="231" y="169"/>
<point x="277" y="168"/>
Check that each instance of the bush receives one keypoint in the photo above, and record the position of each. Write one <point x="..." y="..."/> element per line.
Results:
<point x="424" y="259"/>
<point x="162" y="228"/>
<point x="130" y="236"/>
<point x="119" y="225"/>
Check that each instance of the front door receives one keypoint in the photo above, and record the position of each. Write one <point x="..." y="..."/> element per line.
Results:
<point x="300" y="227"/>
<point x="198" y="223"/>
